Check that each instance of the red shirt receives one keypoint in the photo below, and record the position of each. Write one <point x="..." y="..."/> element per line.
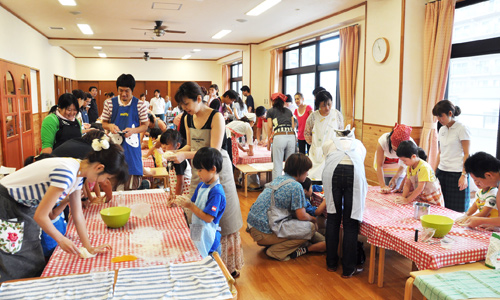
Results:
<point x="260" y="120"/>
<point x="302" y="121"/>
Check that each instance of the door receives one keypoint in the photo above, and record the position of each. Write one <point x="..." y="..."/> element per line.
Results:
<point x="16" y="116"/>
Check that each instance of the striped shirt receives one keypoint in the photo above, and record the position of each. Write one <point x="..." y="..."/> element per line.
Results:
<point x="29" y="184"/>
<point x="142" y="109"/>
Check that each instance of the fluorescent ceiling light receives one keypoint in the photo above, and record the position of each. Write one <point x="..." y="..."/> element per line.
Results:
<point x="98" y="47"/>
<point x="221" y="34"/>
<point x="186" y="56"/>
<point x="102" y="54"/>
<point x="262" y="7"/>
<point x="85" y="28"/>
<point x="196" y="50"/>
<point x="68" y="2"/>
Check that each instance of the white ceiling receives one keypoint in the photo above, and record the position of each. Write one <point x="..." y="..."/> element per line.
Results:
<point x="112" y="22"/>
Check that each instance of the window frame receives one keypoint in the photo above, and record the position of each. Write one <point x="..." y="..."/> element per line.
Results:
<point x="474" y="48"/>
<point x="235" y="79"/>
<point x="316" y="68"/>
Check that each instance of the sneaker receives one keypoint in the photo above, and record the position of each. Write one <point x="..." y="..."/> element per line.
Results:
<point x="298" y="252"/>
<point x="356" y="271"/>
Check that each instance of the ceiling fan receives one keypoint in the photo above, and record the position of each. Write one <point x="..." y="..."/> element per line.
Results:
<point x="160" y="30"/>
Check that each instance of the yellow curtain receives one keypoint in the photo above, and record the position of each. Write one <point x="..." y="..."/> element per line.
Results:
<point x="225" y="79"/>
<point x="349" y="53"/>
<point x="275" y="82"/>
<point x="438" y="28"/>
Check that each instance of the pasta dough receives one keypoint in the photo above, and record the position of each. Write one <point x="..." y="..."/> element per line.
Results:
<point x="84" y="253"/>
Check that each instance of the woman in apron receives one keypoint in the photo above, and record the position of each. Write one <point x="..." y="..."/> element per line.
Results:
<point x="205" y="128"/>
<point x="391" y="173"/>
<point x="345" y="188"/>
<point x="320" y="127"/>
<point x="61" y="123"/>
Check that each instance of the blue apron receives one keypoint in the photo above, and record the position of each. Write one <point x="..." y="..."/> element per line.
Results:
<point x="360" y="186"/>
<point x="128" y="117"/>
<point x="203" y="234"/>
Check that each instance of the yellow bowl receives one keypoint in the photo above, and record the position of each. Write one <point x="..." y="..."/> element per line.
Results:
<point x="115" y="217"/>
<point x="442" y="224"/>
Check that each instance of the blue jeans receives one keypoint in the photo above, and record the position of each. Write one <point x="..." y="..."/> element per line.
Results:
<point x="342" y="189"/>
<point x="161" y="116"/>
<point x="283" y="147"/>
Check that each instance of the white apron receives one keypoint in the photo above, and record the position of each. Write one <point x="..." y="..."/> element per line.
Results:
<point x="203" y="233"/>
<point x="360" y="187"/>
<point x="323" y="130"/>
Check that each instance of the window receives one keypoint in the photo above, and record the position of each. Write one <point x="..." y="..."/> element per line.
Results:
<point x="310" y="64"/>
<point x="474" y="76"/>
<point x="237" y="77"/>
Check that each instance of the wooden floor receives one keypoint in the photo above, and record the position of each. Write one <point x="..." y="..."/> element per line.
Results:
<point x="307" y="278"/>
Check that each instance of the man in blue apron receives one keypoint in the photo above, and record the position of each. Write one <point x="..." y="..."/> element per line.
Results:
<point x="127" y="115"/>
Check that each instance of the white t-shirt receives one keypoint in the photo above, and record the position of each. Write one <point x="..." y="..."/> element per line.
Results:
<point x="29" y="184"/>
<point x="241" y="128"/>
<point x="382" y="141"/>
<point x="450" y="140"/>
<point x="240" y="112"/>
<point x="158" y="105"/>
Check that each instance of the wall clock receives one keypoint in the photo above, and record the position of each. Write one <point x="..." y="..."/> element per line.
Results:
<point x="380" y="50"/>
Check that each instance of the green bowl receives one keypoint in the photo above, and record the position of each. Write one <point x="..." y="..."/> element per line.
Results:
<point x="442" y="224"/>
<point x="115" y="217"/>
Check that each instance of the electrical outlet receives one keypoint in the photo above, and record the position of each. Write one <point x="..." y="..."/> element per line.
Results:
<point x="266" y="101"/>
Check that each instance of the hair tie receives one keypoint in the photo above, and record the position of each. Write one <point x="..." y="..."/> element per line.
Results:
<point x="99" y="144"/>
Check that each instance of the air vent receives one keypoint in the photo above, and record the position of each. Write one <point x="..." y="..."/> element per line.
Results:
<point x="56" y="28"/>
<point x="75" y="12"/>
<point x="241" y="20"/>
<point x="166" y="6"/>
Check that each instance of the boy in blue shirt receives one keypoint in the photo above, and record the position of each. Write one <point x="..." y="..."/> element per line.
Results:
<point x="208" y="202"/>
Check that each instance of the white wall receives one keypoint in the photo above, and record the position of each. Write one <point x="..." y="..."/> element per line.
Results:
<point x="154" y="69"/>
<point x="23" y="45"/>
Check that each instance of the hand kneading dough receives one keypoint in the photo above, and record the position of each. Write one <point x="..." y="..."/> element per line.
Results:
<point x="84" y="253"/>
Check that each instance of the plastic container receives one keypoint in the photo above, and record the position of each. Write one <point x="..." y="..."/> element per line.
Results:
<point x="442" y="224"/>
<point x="421" y="209"/>
<point x="115" y="217"/>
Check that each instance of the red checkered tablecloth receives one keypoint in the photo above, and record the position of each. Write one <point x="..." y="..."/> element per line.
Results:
<point x="261" y="155"/>
<point x="392" y="226"/>
<point x="176" y="244"/>
<point x="147" y="162"/>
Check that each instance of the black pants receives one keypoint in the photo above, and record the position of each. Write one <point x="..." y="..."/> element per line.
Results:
<point x="342" y="189"/>
<point x="304" y="146"/>
<point x="454" y="198"/>
<point x="29" y="261"/>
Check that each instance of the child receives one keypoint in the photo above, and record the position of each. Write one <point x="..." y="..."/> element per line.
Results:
<point x="484" y="169"/>
<point x="485" y="202"/>
<point x="208" y="202"/>
<point x="315" y="211"/>
<point x="171" y="140"/>
<point x="57" y="215"/>
<point x="261" y="115"/>
<point x="40" y="186"/>
<point x="153" y="148"/>
<point x="419" y="176"/>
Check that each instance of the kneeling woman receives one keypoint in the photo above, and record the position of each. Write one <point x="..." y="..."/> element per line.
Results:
<point x="287" y="194"/>
<point x="345" y="188"/>
<point x="28" y="196"/>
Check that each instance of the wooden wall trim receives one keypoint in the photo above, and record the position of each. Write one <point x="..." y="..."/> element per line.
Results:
<point x="364" y="67"/>
<point x="315" y="21"/>
<point x="228" y="55"/>
<point x="148" y="41"/>
<point x="152" y="58"/>
<point x="67" y="51"/>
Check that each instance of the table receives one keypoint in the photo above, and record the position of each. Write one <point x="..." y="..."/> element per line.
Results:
<point x="391" y="226"/>
<point x="246" y="169"/>
<point x="150" y="282"/>
<point x="161" y="173"/>
<point x="261" y="155"/>
<point x="173" y="243"/>
<point x="465" y="267"/>
<point x="147" y="162"/>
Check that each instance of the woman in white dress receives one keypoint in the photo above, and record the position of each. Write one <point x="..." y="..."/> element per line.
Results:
<point x="320" y="127"/>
